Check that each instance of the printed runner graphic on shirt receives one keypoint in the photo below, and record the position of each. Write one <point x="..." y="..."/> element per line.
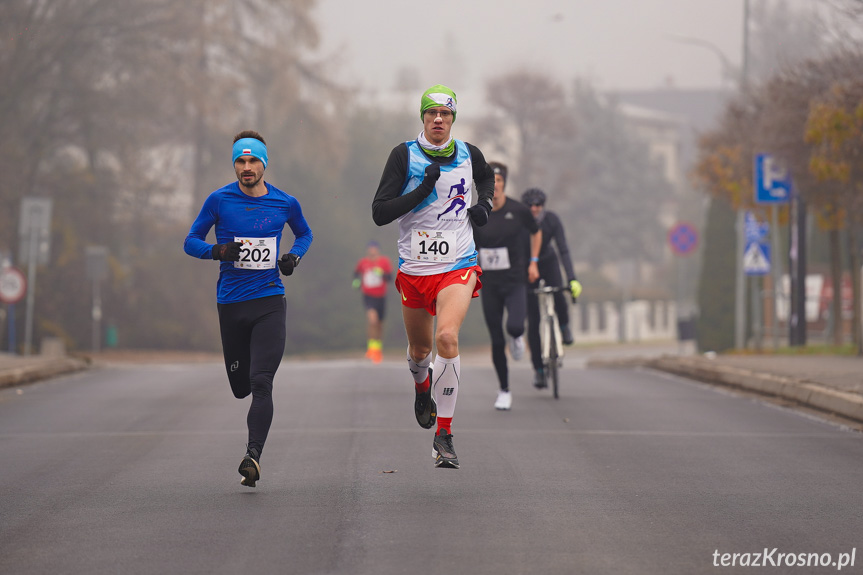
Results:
<point x="456" y="202"/>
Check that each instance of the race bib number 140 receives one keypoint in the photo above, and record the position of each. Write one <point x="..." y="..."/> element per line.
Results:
<point x="257" y="253"/>
<point x="433" y="245"/>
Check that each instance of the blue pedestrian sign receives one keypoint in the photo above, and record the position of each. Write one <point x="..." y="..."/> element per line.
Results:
<point x="772" y="181"/>
<point x="756" y="255"/>
<point x="756" y="259"/>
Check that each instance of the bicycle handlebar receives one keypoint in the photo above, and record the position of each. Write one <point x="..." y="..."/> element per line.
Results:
<point x="549" y="289"/>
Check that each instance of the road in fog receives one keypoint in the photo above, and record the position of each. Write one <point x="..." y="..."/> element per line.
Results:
<point x="132" y="469"/>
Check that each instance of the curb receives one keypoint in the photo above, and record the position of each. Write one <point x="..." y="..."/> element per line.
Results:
<point x="804" y="392"/>
<point x="41" y="370"/>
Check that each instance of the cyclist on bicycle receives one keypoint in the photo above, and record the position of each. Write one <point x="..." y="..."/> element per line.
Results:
<point x="549" y="270"/>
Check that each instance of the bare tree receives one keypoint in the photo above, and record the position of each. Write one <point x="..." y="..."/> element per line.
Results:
<point x="119" y="110"/>
<point x="536" y="107"/>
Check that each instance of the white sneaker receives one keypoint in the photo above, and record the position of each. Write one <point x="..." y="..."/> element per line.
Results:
<point x="516" y="348"/>
<point x="504" y="401"/>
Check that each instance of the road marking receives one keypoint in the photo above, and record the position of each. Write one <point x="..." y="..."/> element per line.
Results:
<point x="496" y="432"/>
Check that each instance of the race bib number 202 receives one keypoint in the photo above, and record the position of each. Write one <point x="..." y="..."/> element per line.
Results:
<point x="257" y="253"/>
<point x="433" y="245"/>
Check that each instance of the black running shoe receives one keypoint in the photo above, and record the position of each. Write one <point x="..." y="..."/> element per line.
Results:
<point x="425" y="407"/>
<point x="250" y="469"/>
<point x="539" y="379"/>
<point x="443" y="451"/>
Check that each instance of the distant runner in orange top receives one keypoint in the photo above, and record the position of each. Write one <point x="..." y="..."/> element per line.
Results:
<point x="371" y="276"/>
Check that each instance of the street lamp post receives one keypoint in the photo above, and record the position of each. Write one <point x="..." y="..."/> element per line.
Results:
<point x="743" y="78"/>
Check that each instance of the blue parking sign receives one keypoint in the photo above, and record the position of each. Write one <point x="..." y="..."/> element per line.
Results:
<point x="772" y="181"/>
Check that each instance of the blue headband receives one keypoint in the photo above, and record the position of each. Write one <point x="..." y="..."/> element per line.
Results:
<point x="250" y="147"/>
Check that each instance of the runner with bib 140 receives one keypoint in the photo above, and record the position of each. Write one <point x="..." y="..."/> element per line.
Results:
<point x="426" y="185"/>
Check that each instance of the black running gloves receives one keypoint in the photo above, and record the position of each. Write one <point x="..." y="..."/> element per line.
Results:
<point x="432" y="174"/>
<point x="287" y="263"/>
<point x="479" y="213"/>
<point x="229" y="252"/>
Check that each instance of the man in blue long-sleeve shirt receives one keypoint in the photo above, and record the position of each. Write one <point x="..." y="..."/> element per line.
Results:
<point x="249" y="216"/>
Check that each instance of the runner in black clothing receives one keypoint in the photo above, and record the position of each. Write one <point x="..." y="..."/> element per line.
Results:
<point x="508" y="248"/>
<point x="549" y="270"/>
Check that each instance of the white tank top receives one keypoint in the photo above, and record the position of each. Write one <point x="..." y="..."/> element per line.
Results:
<point x="436" y="236"/>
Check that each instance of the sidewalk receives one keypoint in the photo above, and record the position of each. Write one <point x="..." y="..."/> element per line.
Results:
<point x="831" y="384"/>
<point x="20" y="370"/>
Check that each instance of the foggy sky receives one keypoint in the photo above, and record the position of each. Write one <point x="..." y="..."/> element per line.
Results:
<point x="616" y="44"/>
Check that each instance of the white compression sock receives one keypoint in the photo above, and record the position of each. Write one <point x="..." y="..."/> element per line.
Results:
<point x="446" y="375"/>
<point x="419" y="371"/>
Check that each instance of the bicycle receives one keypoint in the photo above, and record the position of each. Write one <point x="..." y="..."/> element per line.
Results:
<point x="549" y="334"/>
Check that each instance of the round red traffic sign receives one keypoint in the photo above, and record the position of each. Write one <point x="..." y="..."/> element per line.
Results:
<point x="13" y="285"/>
<point x="683" y="238"/>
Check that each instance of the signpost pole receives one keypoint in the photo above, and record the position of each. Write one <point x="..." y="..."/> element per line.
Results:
<point x="773" y="187"/>
<point x="739" y="285"/>
<point x="10" y="319"/>
<point x="683" y="239"/>
<point x="13" y="287"/>
<point x="31" y="288"/>
<point x="757" y="312"/>
<point x="34" y="237"/>
<point x="777" y="273"/>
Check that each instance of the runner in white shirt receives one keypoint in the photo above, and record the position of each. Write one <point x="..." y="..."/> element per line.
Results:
<point x="427" y="185"/>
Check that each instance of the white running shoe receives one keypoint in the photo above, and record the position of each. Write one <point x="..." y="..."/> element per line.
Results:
<point x="504" y="401"/>
<point x="516" y="348"/>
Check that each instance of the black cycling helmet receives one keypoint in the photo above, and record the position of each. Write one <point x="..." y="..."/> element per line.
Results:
<point x="533" y="197"/>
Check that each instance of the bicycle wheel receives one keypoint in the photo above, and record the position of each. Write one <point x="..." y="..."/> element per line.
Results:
<point x="552" y="358"/>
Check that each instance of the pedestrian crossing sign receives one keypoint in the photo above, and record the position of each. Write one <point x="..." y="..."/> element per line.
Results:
<point x="756" y="259"/>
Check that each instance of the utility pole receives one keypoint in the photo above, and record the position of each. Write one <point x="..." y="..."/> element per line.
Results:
<point x="740" y="279"/>
<point x="34" y="233"/>
<point x="797" y="271"/>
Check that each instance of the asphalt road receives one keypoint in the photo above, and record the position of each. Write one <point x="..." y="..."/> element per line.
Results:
<point x="132" y="469"/>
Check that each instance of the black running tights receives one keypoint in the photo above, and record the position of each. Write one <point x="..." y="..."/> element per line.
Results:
<point x="253" y="342"/>
<point x="495" y="298"/>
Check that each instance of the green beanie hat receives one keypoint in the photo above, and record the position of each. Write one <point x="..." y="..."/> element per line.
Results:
<point x="438" y="95"/>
